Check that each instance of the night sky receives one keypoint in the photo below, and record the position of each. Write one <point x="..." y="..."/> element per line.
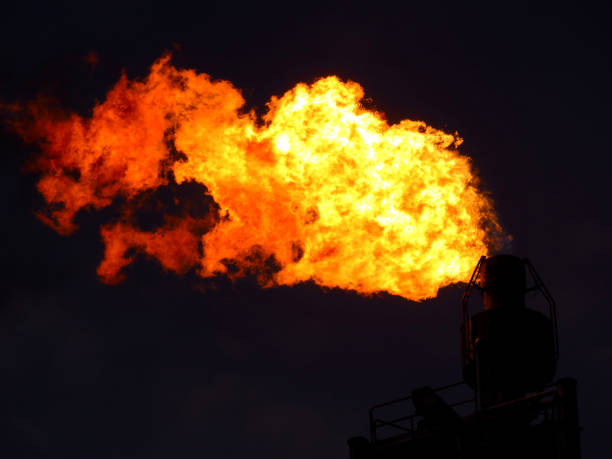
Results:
<point x="163" y="366"/>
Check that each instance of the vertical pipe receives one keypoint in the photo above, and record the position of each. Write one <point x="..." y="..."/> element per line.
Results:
<point x="372" y="427"/>
<point x="568" y="428"/>
<point x="359" y="448"/>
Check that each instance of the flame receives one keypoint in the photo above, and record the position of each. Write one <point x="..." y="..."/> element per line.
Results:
<point x="319" y="189"/>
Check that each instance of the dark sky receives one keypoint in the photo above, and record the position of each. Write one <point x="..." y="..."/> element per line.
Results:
<point x="154" y="368"/>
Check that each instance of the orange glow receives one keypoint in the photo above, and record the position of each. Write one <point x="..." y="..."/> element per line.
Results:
<point x="320" y="189"/>
<point x="92" y="58"/>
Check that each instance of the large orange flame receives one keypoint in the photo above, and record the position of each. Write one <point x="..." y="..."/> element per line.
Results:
<point x="320" y="189"/>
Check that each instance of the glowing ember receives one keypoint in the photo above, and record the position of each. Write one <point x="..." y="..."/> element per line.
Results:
<point x="323" y="189"/>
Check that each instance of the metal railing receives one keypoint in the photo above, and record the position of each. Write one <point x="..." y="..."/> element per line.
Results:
<point x="406" y="424"/>
<point x="467" y="347"/>
<point x="552" y="306"/>
<point x="400" y="422"/>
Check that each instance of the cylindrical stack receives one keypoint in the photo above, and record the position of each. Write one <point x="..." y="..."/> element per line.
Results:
<point x="503" y="283"/>
<point x="513" y="346"/>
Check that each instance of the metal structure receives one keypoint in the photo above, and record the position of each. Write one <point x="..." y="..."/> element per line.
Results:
<point x="509" y="354"/>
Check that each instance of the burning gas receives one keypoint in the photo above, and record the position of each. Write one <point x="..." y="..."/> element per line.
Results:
<point x="320" y="189"/>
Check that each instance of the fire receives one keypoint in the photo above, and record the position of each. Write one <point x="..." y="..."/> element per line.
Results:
<point x="321" y="188"/>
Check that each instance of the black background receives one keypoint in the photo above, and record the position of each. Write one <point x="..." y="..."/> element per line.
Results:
<point x="156" y="368"/>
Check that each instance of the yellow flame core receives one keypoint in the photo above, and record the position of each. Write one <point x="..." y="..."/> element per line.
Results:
<point x="328" y="188"/>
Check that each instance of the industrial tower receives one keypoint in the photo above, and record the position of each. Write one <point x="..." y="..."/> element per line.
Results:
<point x="509" y="355"/>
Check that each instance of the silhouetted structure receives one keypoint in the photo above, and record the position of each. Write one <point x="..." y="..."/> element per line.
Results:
<point x="509" y="355"/>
